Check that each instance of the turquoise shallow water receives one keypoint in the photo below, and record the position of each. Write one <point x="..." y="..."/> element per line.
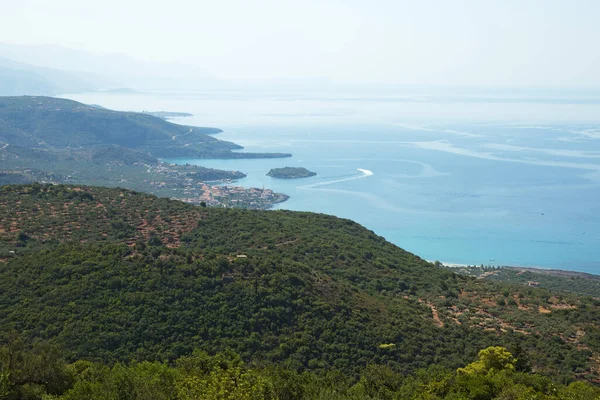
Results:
<point x="516" y="184"/>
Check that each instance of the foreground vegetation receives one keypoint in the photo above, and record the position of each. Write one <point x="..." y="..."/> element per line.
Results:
<point x="117" y="277"/>
<point x="42" y="374"/>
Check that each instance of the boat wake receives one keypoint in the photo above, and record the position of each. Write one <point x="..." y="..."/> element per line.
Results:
<point x="364" y="173"/>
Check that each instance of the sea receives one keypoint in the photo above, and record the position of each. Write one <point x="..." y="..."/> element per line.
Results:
<point x="500" y="178"/>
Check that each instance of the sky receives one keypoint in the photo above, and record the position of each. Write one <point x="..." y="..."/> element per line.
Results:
<point x="419" y="42"/>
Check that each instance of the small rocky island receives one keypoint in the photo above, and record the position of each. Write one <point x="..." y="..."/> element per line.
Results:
<point x="290" y="173"/>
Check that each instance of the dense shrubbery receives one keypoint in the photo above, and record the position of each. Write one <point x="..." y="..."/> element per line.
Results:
<point x="41" y="374"/>
<point x="300" y="291"/>
<point x="579" y="283"/>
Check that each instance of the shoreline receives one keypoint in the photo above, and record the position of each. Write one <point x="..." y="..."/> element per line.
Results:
<point x="538" y="270"/>
<point x="555" y="272"/>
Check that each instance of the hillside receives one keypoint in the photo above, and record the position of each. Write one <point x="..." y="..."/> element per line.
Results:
<point x="22" y="79"/>
<point x="114" y="275"/>
<point x="46" y="123"/>
<point x="54" y="140"/>
<point x="16" y="82"/>
<point x="557" y="280"/>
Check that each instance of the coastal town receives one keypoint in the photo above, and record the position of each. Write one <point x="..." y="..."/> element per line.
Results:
<point x="234" y="196"/>
<point x="188" y="186"/>
<point x="191" y="184"/>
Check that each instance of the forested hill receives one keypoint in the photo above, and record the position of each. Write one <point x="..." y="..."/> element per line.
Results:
<point x="51" y="140"/>
<point x="53" y="123"/>
<point x="115" y="275"/>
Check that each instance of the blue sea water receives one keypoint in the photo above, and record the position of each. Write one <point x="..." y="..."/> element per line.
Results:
<point x="494" y="181"/>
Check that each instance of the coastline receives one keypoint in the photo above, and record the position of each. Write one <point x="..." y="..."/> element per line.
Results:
<point x="555" y="272"/>
<point x="538" y="270"/>
<point x="397" y="210"/>
<point x="450" y="264"/>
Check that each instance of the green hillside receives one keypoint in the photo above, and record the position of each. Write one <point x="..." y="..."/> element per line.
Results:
<point x="113" y="275"/>
<point x="52" y="123"/>
<point x="557" y="280"/>
<point x="52" y="140"/>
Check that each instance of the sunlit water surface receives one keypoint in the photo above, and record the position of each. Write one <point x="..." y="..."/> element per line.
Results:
<point x="501" y="180"/>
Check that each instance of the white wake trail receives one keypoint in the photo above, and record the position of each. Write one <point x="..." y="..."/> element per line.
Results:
<point x="365" y="173"/>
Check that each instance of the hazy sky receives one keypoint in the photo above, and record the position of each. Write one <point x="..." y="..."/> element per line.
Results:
<point x="449" y="42"/>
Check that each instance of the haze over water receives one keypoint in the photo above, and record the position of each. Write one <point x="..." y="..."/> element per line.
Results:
<point x="508" y="179"/>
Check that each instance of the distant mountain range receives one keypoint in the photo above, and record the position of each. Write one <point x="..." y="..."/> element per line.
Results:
<point x="58" y="68"/>
<point x="114" y="71"/>
<point x="20" y="79"/>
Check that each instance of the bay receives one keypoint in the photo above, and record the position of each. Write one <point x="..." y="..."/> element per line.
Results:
<point x="508" y="180"/>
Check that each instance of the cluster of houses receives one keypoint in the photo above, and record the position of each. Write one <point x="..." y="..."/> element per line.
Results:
<point x="235" y="196"/>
